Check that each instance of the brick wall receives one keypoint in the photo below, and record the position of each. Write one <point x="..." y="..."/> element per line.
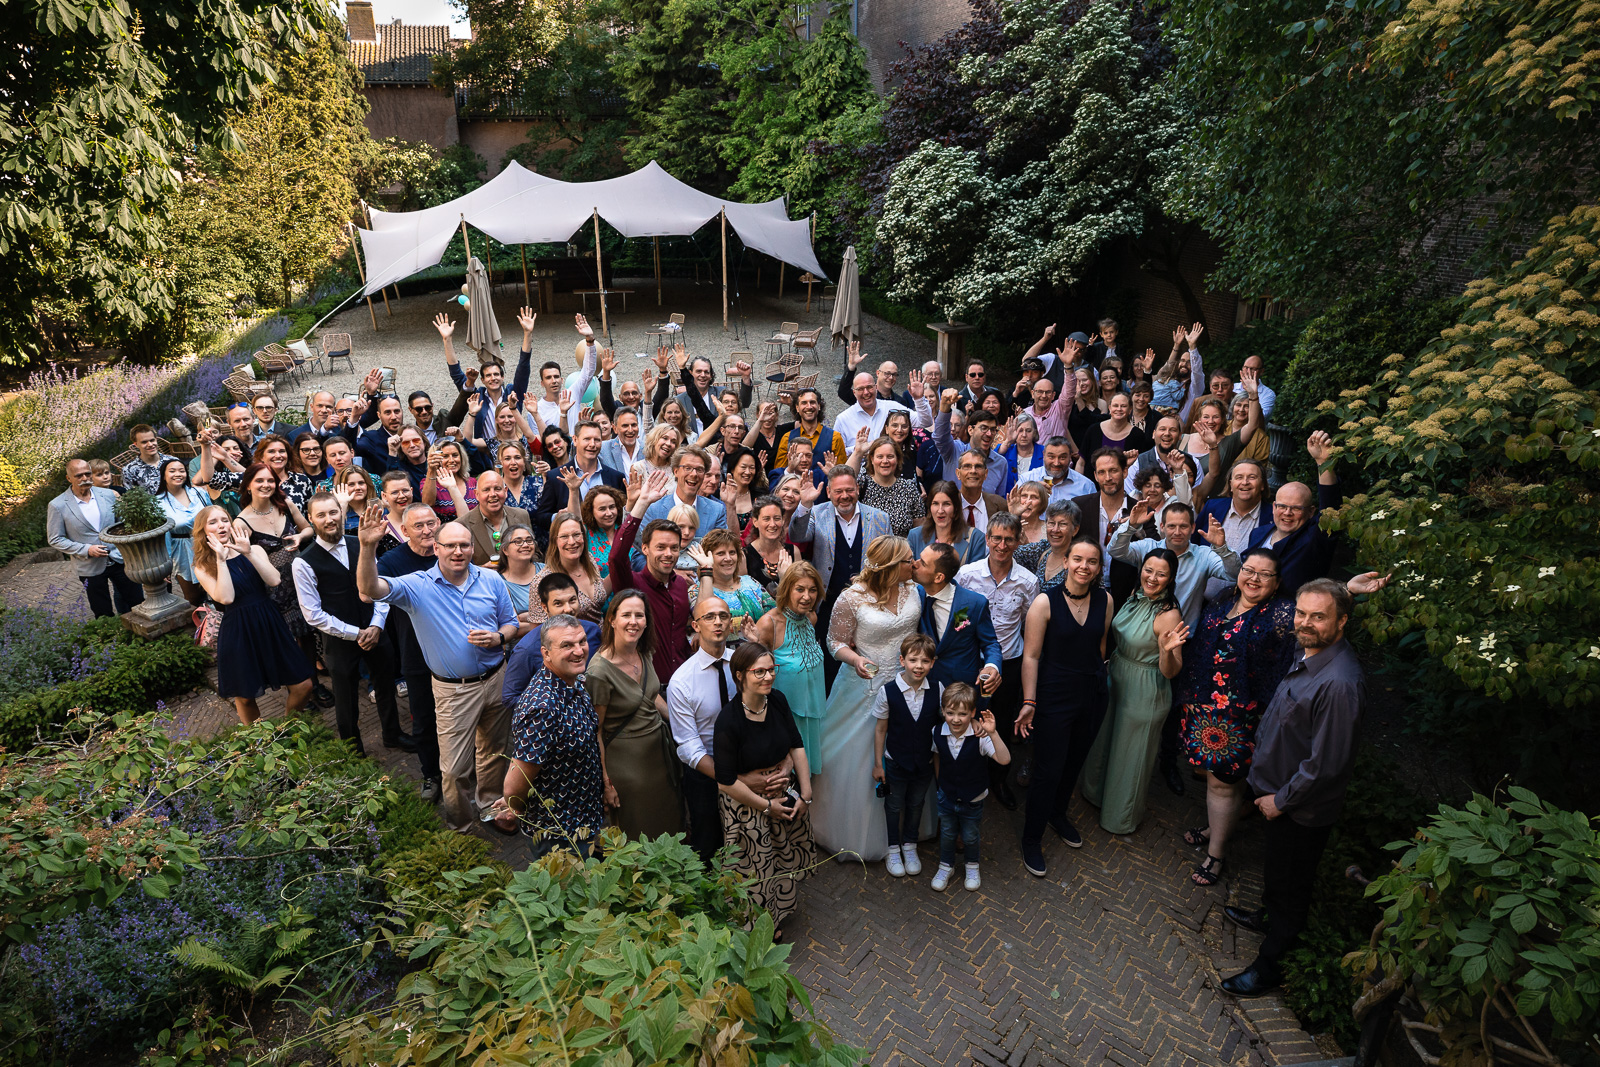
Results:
<point x="412" y="114"/>
<point x="1160" y="305"/>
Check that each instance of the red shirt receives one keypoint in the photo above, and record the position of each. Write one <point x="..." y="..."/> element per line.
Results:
<point x="669" y="603"/>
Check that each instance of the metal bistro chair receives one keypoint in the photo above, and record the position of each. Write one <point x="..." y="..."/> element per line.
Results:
<point x="669" y="331"/>
<point x="277" y="362"/>
<point x="780" y="375"/>
<point x="336" y="346"/>
<point x="806" y="341"/>
<point x="779" y="343"/>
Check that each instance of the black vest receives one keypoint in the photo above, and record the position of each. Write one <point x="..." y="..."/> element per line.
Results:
<point x="336" y="584"/>
<point x="965" y="776"/>
<point x="846" y="557"/>
<point x="909" y="741"/>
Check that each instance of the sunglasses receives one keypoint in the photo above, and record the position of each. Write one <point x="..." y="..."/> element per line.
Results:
<point x="420" y="409"/>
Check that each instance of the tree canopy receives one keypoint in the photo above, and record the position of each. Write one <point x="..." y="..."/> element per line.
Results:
<point x="101" y="102"/>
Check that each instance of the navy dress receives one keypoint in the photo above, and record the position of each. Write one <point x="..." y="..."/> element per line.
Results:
<point x="255" y="651"/>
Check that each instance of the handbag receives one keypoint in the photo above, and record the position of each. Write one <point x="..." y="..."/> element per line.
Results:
<point x="207" y="620"/>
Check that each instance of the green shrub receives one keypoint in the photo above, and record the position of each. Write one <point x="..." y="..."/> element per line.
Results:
<point x="1345" y="347"/>
<point x="138" y="675"/>
<point x="421" y="876"/>
<point x="1497" y="906"/>
<point x="633" y="958"/>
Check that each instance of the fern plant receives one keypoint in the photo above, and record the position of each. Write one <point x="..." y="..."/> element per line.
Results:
<point x="262" y="958"/>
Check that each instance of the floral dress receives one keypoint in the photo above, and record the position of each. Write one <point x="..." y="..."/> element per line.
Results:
<point x="600" y="550"/>
<point x="1032" y="557"/>
<point x="1231" y="668"/>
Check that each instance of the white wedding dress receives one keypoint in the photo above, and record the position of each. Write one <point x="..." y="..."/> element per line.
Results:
<point x="846" y="813"/>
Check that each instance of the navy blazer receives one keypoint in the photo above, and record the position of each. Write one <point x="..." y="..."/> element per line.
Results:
<point x="1217" y="508"/>
<point x="963" y="649"/>
<point x="1307" y="553"/>
<point x="553" y="498"/>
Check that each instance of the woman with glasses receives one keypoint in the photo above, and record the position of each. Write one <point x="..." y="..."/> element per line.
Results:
<point x="637" y="754"/>
<point x="1242" y="648"/>
<point x="305" y="458"/>
<point x="769" y="827"/>
<point x="516" y="565"/>
<point x="1024" y="452"/>
<point x="1047" y="559"/>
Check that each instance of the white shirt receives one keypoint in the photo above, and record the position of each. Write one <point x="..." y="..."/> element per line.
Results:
<point x="852" y="418"/>
<point x="850" y="526"/>
<point x="1264" y="396"/>
<point x="694" y="702"/>
<point x="1105" y="537"/>
<point x="90" y="509"/>
<point x="549" y="413"/>
<point x="980" y="513"/>
<point x="953" y="744"/>
<point x="1009" y="600"/>
<point x="942" y="602"/>
<point x="305" y="587"/>
<point x="1070" y="485"/>
<point x="915" y="696"/>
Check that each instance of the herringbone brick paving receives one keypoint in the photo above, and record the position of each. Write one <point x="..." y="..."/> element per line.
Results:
<point x="1113" y="959"/>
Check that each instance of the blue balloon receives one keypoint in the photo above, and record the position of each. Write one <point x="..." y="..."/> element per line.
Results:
<point x="591" y="394"/>
<point x="463" y="301"/>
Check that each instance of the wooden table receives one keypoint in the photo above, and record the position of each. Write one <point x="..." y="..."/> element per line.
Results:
<point x="602" y="294"/>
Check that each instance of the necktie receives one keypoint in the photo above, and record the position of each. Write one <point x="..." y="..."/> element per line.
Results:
<point x="722" y="685"/>
<point x="972" y="515"/>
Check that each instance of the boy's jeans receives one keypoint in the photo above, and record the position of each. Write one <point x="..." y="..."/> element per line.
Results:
<point x="905" y="791"/>
<point x="962" y="817"/>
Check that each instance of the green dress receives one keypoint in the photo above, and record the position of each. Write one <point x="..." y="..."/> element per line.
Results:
<point x="640" y="756"/>
<point x="799" y="663"/>
<point x="1116" y="776"/>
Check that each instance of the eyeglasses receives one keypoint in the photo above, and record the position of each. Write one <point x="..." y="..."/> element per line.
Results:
<point x="455" y="548"/>
<point x="763" y="672"/>
<point x="421" y="409"/>
<point x="518" y="541"/>
<point x="1259" y="576"/>
<point x="1291" y="507"/>
<point x="722" y="615"/>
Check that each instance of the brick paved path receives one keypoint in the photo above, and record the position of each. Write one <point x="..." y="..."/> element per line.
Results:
<point x="1114" y="958"/>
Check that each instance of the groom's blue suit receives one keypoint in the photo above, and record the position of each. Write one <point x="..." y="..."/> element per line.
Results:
<point x="968" y="641"/>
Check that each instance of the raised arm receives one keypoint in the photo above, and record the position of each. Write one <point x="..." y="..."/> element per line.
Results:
<point x="519" y="380"/>
<point x="373" y="527"/>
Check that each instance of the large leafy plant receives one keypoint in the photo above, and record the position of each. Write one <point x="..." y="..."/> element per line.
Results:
<point x="633" y="958"/>
<point x="1493" y="914"/>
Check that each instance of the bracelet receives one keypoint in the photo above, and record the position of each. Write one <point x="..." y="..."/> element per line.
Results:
<point x="769" y="803"/>
<point x="1030" y="703"/>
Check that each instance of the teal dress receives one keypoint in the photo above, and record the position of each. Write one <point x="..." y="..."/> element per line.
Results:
<point x="1116" y="776"/>
<point x="799" y="663"/>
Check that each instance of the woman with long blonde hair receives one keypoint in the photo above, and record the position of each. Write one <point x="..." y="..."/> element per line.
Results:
<point x="255" y="651"/>
<point x="879" y="610"/>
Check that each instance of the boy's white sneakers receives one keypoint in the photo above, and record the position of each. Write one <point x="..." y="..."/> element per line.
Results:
<point x="942" y="876"/>
<point x="910" y="859"/>
<point x="892" y="863"/>
<point x="973" y="881"/>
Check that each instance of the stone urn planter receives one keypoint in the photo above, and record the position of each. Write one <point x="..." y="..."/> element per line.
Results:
<point x="146" y="560"/>
<point x="1281" y="455"/>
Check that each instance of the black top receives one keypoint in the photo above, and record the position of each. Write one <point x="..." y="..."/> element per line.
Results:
<point x="740" y="745"/>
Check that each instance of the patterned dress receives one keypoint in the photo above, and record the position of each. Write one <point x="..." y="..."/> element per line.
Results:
<point x="554" y="727"/>
<point x="902" y="501"/>
<point x="600" y="550"/>
<point x="1032" y="556"/>
<point x="1231" y="667"/>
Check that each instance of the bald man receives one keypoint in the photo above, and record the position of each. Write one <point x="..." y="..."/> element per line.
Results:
<point x="1304" y="551"/>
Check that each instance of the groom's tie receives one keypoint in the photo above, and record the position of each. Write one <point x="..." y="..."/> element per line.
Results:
<point x="930" y="624"/>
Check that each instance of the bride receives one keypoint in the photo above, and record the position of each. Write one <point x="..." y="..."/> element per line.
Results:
<point x="871" y="618"/>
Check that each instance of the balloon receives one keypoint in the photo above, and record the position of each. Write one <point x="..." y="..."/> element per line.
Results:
<point x="463" y="301"/>
<point x="463" y="288"/>
<point x="590" y="395"/>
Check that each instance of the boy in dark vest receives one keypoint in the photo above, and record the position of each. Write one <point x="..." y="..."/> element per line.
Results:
<point x="961" y="754"/>
<point x="903" y="739"/>
<point x="351" y="626"/>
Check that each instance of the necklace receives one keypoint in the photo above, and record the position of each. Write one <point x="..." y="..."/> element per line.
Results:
<point x="753" y="713"/>
<point x="1074" y="596"/>
<point x="257" y="511"/>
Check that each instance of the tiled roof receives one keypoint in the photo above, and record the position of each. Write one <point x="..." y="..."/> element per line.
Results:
<point x="402" y="55"/>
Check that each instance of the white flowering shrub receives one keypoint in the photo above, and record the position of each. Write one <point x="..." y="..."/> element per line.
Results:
<point x="1082" y="138"/>
<point x="1487" y="503"/>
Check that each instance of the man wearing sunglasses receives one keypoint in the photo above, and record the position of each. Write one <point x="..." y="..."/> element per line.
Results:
<point x="421" y="407"/>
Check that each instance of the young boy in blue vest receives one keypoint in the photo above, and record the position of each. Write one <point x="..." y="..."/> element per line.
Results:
<point x="903" y="740"/>
<point x="961" y="770"/>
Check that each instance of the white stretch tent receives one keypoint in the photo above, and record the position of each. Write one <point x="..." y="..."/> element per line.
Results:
<point x="518" y="206"/>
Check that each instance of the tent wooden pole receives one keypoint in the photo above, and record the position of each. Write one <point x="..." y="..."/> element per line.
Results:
<point x="355" y="246"/>
<point x="525" y="301"/>
<point x="600" y="275"/>
<point x="657" y="241"/>
<point x="724" y="214"/>
<point x="466" y="242"/>
<point x="489" y="251"/>
<point x="781" y="265"/>
<point x="385" y="291"/>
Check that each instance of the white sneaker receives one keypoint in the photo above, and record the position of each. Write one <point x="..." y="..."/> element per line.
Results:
<point x="973" y="881"/>
<point x="942" y="876"/>
<point x="909" y="857"/>
<point x="401" y="689"/>
<point x="892" y="863"/>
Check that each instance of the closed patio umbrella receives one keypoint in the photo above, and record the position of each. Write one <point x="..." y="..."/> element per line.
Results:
<point x="847" y="306"/>
<point x="483" y="332"/>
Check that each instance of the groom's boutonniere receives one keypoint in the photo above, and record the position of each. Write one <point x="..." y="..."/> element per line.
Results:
<point x="960" y="621"/>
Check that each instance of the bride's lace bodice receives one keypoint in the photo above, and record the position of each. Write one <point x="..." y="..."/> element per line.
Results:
<point x="876" y="633"/>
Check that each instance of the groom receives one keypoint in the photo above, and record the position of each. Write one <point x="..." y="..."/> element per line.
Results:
<point x="958" y="621"/>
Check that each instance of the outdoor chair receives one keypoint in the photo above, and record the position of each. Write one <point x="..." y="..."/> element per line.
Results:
<point x="336" y="346"/>
<point x="780" y="374"/>
<point x="806" y="341"/>
<point x="779" y="342"/>
<point x="830" y="293"/>
<point x="276" y="362"/>
<point x="669" y="331"/>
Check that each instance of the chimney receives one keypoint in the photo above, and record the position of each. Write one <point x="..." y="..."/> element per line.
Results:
<point x="359" y="20"/>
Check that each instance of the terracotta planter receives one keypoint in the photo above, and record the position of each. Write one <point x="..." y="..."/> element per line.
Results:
<point x="145" y="559"/>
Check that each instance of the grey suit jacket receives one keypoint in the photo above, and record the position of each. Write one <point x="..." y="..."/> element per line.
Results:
<point x="482" y="543"/>
<point x="66" y="530"/>
<point x="819" y="526"/>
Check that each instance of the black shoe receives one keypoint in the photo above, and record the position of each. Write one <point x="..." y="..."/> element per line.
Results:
<point x="1169" y="774"/>
<point x="1024" y="772"/>
<point x="404" y="742"/>
<point x="1033" y="859"/>
<point x="322" y="696"/>
<point x="1067" y="832"/>
<point x="1004" y="795"/>
<point x="1250" y="920"/>
<point x="1253" y="981"/>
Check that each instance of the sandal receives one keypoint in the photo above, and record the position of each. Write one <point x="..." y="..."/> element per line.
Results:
<point x="1209" y="872"/>
<point x="1197" y="836"/>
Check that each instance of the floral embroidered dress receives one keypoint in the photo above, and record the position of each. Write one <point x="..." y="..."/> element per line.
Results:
<point x="1231" y="667"/>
